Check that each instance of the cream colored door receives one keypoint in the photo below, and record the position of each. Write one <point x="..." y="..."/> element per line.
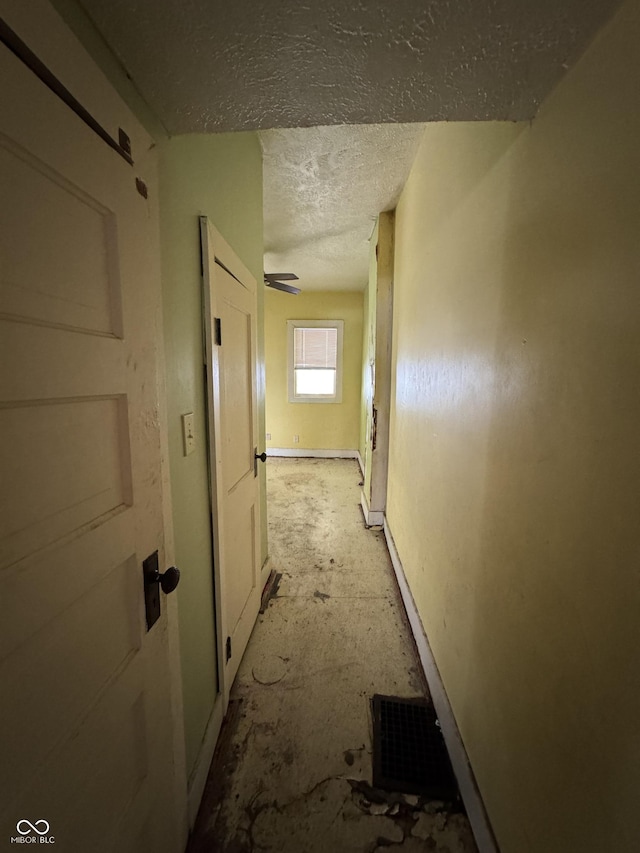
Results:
<point x="86" y="734"/>
<point x="230" y="312"/>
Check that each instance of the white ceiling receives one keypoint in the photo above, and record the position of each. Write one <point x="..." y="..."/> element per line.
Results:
<point x="214" y="65"/>
<point x="218" y="65"/>
<point x="323" y="188"/>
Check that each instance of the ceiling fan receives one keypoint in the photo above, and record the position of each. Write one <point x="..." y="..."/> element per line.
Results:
<point x="277" y="279"/>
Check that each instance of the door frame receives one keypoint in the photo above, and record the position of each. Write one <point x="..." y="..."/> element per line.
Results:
<point x="213" y="243"/>
<point x="373" y="497"/>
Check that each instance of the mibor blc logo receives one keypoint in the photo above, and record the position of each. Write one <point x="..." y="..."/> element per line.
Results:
<point x="33" y="833"/>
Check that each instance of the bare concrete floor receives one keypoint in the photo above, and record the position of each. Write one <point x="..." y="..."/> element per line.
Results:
<point x="293" y="770"/>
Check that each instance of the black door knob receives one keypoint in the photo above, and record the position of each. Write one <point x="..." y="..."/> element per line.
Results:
<point x="169" y="580"/>
<point x="261" y="456"/>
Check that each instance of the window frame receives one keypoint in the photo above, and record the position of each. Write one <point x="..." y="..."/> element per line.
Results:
<point x="314" y="324"/>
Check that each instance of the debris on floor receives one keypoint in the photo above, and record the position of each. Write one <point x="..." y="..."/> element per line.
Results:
<point x="293" y="769"/>
<point x="270" y="589"/>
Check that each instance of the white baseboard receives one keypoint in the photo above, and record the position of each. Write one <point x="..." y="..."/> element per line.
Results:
<point x="469" y="791"/>
<point x="360" y="463"/>
<point x="312" y="454"/>
<point x="199" y="774"/>
<point x="372" y="518"/>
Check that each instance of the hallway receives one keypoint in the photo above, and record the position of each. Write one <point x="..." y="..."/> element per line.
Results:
<point x="483" y="268"/>
<point x="293" y="764"/>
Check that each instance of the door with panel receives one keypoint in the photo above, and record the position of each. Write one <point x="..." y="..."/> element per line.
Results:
<point x="230" y="321"/>
<point x="87" y="732"/>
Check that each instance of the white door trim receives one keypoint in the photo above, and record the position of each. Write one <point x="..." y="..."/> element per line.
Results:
<point x="207" y="232"/>
<point x="371" y="517"/>
<point x="214" y="245"/>
<point x="214" y="429"/>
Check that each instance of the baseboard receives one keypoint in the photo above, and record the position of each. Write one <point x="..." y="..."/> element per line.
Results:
<point x="469" y="791"/>
<point x="360" y="463"/>
<point x="312" y="454"/>
<point x="372" y="518"/>
<point x="199" y="774"/>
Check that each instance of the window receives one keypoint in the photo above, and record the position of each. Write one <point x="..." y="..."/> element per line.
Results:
<point x="315" y="361"/>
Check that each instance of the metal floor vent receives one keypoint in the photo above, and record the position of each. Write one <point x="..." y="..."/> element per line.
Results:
<point x="409" y="753"/>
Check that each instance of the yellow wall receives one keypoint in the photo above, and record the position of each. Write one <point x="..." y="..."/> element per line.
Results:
<point x="514" y="489"/>
<point x="221" y="177"/>
<point x="334" y="426"/>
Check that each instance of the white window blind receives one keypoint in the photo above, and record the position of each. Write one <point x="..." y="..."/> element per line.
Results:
<point x="315" y="361"/>
<point x="315" y="349"/>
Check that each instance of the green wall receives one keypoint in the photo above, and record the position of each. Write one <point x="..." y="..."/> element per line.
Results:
<point x="220" y="177"/>
<point x="83" y="28"/>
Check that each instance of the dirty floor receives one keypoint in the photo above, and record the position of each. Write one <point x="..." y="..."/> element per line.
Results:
<point x="292" y="772"/>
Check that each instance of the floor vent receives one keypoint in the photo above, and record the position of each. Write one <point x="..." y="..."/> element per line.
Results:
<point x="409" y="753"/>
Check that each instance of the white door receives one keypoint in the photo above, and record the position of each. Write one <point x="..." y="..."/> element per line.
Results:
<point x="230" y="320"/>
<point x="86" y="737"/>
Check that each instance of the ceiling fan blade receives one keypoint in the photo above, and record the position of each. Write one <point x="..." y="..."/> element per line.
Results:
<point x="286" y="288"/>
<point x="284" y="276"/>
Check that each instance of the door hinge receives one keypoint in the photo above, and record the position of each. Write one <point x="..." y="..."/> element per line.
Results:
<point x="228" y="649"/>
<point x="217" y="327"/>
<point x="124" y="141"/>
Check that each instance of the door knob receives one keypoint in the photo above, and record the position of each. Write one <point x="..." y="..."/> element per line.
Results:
<point x="167" y="581"/>
<point x="261" y="456"/>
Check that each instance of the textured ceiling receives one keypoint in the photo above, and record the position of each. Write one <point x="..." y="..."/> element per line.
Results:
<point x="323" y="188"/>
<point x="215" y="65"/>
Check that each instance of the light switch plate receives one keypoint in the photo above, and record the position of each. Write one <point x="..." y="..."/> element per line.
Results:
<point x="188" y="435"/>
